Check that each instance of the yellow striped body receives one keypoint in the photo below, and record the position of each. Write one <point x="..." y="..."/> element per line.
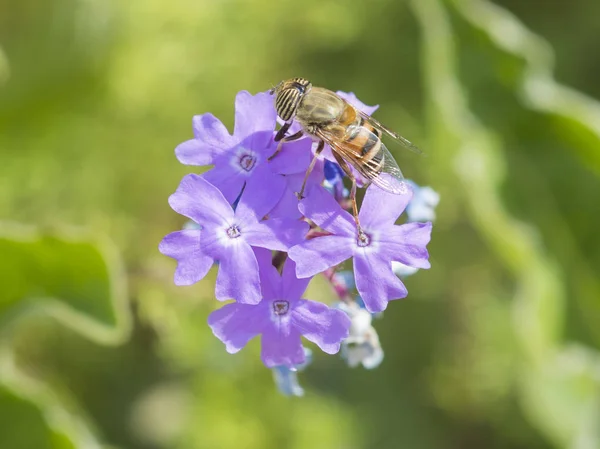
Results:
<point x="354" y="137"/>
<point x="322" y="111"/>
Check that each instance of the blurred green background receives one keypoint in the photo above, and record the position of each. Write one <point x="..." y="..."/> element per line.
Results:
<point x="495" y="347"/>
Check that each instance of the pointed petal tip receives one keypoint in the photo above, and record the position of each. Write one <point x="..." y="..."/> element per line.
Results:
<point x="180" y="281"/>
<point x="332" y="348"/>
<point x="231" y="349"/>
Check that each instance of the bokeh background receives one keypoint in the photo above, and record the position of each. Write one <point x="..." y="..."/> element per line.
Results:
<point x="496" y="346"/>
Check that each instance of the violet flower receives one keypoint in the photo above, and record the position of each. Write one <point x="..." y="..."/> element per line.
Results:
<point x="334" y="181"/>
<point x="281" y="318"/>
<point x="227" y="236"/>
<point x="382" y="243"/>
<point x="242" y="156"/>
<point x="288" y="204"/>
<point x="421" y="208"/>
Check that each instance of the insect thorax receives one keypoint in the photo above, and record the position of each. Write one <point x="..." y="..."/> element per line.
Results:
<point x="319" y="108"/>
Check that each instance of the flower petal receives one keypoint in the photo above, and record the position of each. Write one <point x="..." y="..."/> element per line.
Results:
<point x="184" y="247"/>
<point x="376" y="282"/>
<point x="281" y="345"/>
<point x="254" y="116"/>
<point x="380" y="208"/>
<point x="201" y="201"/>
<point x="211" y="137"/>
<point x="270" y="281"/>
<point x="323" y="209"/>
<point x="407" y="244"/>
<point x="226" y="179"/>
<point x="316" y="177"/>
<point x="236" y="324"/>
<point x="263" y="191"/>
<point x="194" y="152"/>
<point x="316" y="255"/>
<point x="238" y="274"/>
<point x="293" y="288"/>
<point x="320" y="324"/>
<point x="278" y="234"/>
<point x="294" y="157"/>
<point x="287" y="206"/>
<point x="210" y="130"/>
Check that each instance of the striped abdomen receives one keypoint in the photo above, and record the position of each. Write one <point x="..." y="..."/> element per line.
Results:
<point x="365" y="141"/>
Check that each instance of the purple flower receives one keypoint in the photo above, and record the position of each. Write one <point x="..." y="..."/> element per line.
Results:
<point x="288" y="204"/>
<point x="242" y="156"/>
<point x="227" y="236"/>
<point x="383" y="243"/>
<point x="281" y="317"/>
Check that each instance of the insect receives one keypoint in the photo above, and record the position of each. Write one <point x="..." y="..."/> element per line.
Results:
<point x="354" y="137"/>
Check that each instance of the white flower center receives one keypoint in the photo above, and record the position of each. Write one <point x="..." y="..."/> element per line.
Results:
<point x="247" y="162"/>
<point x="281" y="307"/>
<point x="244" y="160"/>
<point x="363" y="239"/>
<point x="233" y="232"/>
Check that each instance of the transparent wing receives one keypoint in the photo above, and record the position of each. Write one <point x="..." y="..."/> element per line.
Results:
<point x="381" y="169"/>
<point x="394" y="135"/>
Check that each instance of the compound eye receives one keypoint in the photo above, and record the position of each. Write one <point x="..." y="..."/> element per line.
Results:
<point x="300" y="88"/>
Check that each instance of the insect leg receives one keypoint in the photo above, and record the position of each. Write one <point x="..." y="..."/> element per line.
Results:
<point x="291" y="138"/>
<point x="320" y="147"/>
<point x="282" y="131"/>
<point x="344" y="165"/>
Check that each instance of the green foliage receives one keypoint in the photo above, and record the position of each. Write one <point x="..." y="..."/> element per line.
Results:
<point x="560" y="386"/>
<point x="29" y="429"/>
<point x="68" y="278"/>
<point x="496" y="346"/>
<point x="77" y="283"/>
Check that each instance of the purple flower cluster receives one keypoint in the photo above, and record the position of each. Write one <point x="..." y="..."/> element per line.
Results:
<point x="268" y="245"/>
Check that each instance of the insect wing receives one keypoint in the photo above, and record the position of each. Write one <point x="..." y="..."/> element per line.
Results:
<point x="394" y="135"/>
<point x="382" y="170"/>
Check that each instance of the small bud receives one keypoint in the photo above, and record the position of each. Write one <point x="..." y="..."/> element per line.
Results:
<point x="286" y="379"/>
<point x="362" y="345"/>
<point x="423" y="203"/>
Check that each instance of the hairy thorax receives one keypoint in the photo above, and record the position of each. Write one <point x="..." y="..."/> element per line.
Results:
<point x="320" y="108"/>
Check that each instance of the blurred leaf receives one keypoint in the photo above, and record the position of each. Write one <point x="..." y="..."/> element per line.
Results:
<point x="559" y="399"/>
<point x="4" y="67"/>
<point x="32" y="417"/>
<point x="565" y="395"/>
<point x="575" y="118"/>
<point x="77" y="281"/>
<point x="537" y="86"/>
<point x="24" y="426"/>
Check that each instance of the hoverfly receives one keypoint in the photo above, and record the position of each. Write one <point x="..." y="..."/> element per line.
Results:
<point x="354" y="137"/>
